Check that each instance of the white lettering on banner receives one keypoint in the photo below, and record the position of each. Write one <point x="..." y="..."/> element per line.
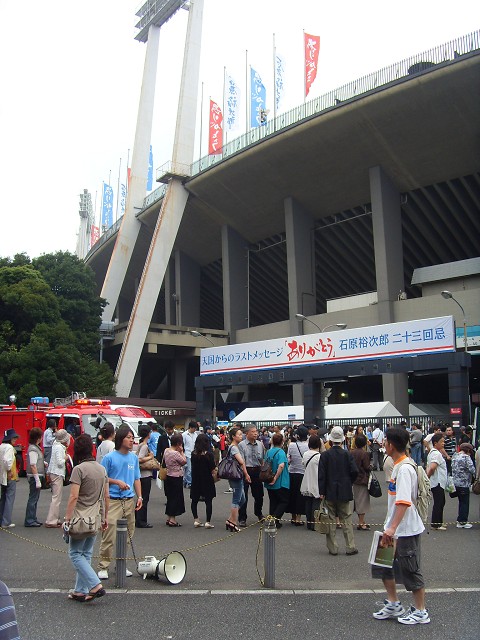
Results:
<point x="164" y="412"/>
<point x="415" y="337"/>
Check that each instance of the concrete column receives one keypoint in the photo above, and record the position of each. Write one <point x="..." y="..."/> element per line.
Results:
<point x="137" y="382"/>
<point x="312" y="400"/>
<point x="235" y="281"/>
<point x="170" y="294"/>
<point x="458" y="392"/>
<point x="172" y="209"/>
<point x="300" y="262"/>
<point x="137" y="190"/>
<point x="187" y="288"/>
<point x="387" y="239"/>
<point x="179" y="378"/>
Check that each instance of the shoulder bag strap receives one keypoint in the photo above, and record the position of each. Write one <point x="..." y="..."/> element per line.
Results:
<point x="308" y="461"/>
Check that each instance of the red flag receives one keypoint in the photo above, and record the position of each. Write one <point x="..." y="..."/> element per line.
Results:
<point x="215" y="129"/>
<point x="312" y="49"/>
<point x="94" y="235"/>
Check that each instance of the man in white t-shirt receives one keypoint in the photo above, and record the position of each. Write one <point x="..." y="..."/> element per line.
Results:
<point x="404" y="525"/>
<point x="189" y="438"/>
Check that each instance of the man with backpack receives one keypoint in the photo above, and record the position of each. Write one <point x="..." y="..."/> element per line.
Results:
<point x="404" y="524"/>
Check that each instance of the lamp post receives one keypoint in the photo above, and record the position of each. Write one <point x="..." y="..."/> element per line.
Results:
<point x="338" y="325"/>
<point x="448" y="295"/>
<point x="197" y="334"/>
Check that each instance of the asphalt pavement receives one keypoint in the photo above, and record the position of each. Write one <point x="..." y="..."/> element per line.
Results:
<point x="222" y="595"/>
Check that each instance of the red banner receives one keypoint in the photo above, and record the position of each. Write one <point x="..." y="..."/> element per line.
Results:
<point x="94" y="235"/>
<point x="312" y="49"/>
<point x="215" y="129"/>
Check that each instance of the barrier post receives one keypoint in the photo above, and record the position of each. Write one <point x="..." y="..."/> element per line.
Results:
<point x="121" y="547"/>
<point x="270" y="532"/>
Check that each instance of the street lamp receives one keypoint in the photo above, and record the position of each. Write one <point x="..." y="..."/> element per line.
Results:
<point x="338" y="325"/>
<point x="197" y="334"/>
<point x="448" y="295"/>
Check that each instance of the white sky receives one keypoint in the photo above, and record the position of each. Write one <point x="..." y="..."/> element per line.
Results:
<point x="71" y="71"/>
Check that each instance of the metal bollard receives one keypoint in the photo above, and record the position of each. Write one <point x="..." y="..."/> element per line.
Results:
<point x="121" y="547"/>
<point x="270" y="532"/>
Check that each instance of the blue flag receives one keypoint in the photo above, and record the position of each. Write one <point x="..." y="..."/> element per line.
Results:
<point x="150" y="171"/>
<point x="107" y="206"/>
<point x="258" y="111"/>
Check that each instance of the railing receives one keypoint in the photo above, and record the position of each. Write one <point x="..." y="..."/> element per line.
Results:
<point x="410" y="67"/>
<point x="419" y="63"/>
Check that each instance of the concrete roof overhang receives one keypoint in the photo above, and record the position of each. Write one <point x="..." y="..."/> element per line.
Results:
<point x="421" y="129"/>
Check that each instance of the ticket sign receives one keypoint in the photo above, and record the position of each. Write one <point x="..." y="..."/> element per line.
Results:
<point x="455" y="411"/>
<point x="415" y="337"/>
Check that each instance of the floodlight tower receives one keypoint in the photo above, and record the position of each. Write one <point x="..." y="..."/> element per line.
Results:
<point x="153" y="14"/>
<point x="86" y="221"/>
<point x="174" y="201"/>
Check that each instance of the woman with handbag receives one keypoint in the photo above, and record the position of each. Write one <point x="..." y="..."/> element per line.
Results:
<point x="56" y="471"/>
<point x="88" y="491"/>
<point x="145" y="458"/>
<point x="174" y="460"/>
<point x="203" y="484"/>
<point x="238" y="495"/>
<point x="463" y="471"/>
<point x="361" y="496"/>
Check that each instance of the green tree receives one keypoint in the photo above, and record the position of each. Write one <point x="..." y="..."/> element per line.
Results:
<point x="44" y="347"/>
<point x="74" y="286"/>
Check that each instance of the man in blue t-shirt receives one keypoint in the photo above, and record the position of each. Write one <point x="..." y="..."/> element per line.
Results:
<point x="123" y="473"/>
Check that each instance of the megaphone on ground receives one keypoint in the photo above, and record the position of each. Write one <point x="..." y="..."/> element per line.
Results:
<point x="171" y="567"/>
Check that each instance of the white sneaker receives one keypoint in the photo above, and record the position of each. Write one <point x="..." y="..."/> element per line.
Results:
<point x="128" y="573"/>
<point x="415" y="616"/>
<point x="228" y="491"/>
<point x="10" y="526"/>
<point x="209" y="526"/>
<point x="389" y="610"/>
<point x="465" y="525"/>
<point x="102" y="574"/>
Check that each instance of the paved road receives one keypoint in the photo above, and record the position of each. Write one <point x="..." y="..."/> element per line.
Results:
<point x="34" y="561"/>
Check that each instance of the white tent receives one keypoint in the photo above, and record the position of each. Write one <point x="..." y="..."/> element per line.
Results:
<point x="428" y="410"/>
<point x="332" y="412"/>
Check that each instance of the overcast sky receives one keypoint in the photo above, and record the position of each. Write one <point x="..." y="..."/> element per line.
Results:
<point x="71" y="72"/>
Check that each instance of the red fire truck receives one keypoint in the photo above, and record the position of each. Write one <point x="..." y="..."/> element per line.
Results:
<point x="77" y="414"/>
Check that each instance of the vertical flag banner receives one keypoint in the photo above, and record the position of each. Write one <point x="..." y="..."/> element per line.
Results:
<point x="279" y="86"/>
<point x="258" y="95"/>
<point x="232" y="104"/>
<point x="94" y="235"/>
<point x="150" y="170"/>
<point x="123" y="197"/>
<point x="215" y="129"/>
<point x="312" y="49"/>
<point x="107" y="206"/>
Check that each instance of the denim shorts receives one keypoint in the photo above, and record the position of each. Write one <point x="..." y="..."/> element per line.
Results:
<point x="238" y="496"/>
<point x="406" y="565"/>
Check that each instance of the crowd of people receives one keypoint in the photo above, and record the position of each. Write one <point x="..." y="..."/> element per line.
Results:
<point x="307" y="469"/>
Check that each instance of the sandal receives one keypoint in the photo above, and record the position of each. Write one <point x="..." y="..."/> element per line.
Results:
<point x="363" y="527"/>
<point x="173" y="524"/>
<point x="79" y="597"/>
<point x="95" y="594"/>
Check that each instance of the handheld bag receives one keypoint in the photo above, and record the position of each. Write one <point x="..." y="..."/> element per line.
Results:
<point x="323" y="522"/>
<point x="374" y="487"/>
<point x="229" y="469"/>
<point x="150" y="465"/>
<point x="162" y="470"/>
<point x="266" y="470"/>
<point x="87" y="521"/>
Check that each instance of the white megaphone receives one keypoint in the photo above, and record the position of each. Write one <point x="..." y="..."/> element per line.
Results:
<point x="172" y="567"/>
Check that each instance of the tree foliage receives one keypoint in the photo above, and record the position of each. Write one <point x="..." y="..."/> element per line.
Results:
<point x="49" y="320"/>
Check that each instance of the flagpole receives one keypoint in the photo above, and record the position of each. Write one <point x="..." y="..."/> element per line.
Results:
<point x="201" y="126"/>
<point x="126" y="173"/>
<point x="224" y="133"/>
<point x="118" y="188"/>
<point x="304" y="70"/>
<point x="247" y="99"/>
<point x="274" y="83"/>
